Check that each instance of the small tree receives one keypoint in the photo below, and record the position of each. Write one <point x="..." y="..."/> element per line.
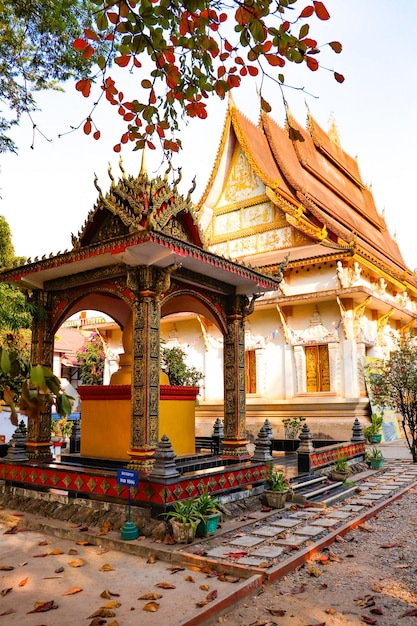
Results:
<point x="91" y="360"/>
<point x="394" y="386"/>
<point x="179" y="373"/>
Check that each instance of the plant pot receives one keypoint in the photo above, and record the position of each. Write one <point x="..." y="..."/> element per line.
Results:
<point x="339" y="476"/>
<point x="184" y="533"/>
<point x="376" y="463"/>
<point x="276" y="499"/>
<point x="208" y="525"/>
<point x="375" y="438"/>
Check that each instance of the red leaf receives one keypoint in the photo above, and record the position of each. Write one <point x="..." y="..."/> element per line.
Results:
<point x="312" y="63"/>
<point x="123" y="60"/>
<point x="368" y="620"/>
<point x="339" y="77"/>
<point x="87" y="130"/>
<point x="46" y="606"/>
<point x="253" y="71"/>
<point x="90" y="34"/>
<point x="88" y="52"/>
<point x="274" y="60"/>
<point x="307" y="12"/>
<point x="336" y="46"/>
<point x="79" y="44"/>
<point x="84" y="86"/>
<point x="212" y="595"/>
<point x="97" y="134"/>
<point x="321" y="11"/>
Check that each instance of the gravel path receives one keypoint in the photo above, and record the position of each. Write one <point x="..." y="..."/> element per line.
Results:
<point x="368" y="577"/>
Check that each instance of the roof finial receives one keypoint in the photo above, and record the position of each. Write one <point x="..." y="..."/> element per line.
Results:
<point x="333" y="132"/>
<point x="143" y="171"/>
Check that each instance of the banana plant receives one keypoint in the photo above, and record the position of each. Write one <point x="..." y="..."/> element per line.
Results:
<point x="25" y="386"/>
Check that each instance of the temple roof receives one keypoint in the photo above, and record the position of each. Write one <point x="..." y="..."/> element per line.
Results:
<point x="315" y="182"/>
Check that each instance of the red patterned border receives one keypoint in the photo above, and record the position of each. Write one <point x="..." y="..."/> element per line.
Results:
<point x="104" y="484"/>
<point x="328" y="455"/>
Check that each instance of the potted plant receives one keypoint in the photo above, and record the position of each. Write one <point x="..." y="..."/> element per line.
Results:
<point x="373" y="432"/>
<point x="211" y="511"/>
<point x="293" y="426"/>
<point x="341" y="469"/>
<point x="375" y="457"/>
<point x="184" y="519"/>
<point x="61" y="430"/>
<point x="278" y="487"/>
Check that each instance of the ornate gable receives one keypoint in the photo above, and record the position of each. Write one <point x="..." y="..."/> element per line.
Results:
<point x="134" y="205"/>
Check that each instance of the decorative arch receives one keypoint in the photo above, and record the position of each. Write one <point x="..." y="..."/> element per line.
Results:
<point x="180" y="300"/>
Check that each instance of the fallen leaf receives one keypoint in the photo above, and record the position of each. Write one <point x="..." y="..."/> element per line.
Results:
<point x="189" y="579"/>
<point x="165" y="585"/>
<point x="4" y="592"/>
<point x="113" y="604"/>
<point x="236" y="555"/>
<point x="55" y="552"/>
<point x="8" y="612"/>
<point x="106" y="568"/>
<point x="277" y="612"/>
<point x="59" y="570"/>
<point x="72" y="591"/>
<point x="151" y="595"/>
<point x="151" y="606"/>
<point x="169" y="540"/>
<point x="72" y="551"/>
<point x="411" y="613"/>
<point x="82" y="543"/>
<point x="152" y="559"/>
<point x="391" y="545"/>
<point x="212" y="595"/>
<point x="13" y="530"/>
<point x="6" y="568"/>
<point x="83" y="528"/>
<point x="175" y="568"/>
<point x="97" y="621"/>
<point x="108" y="594"/>
<point x="365" y="528"/>
<point x="40" y="556"/>
<point x="204" y="587"/>
<point x="377" y="611"/>
<point x="314" y="571"/>
<point x="77" y="562"/>
<point x="43" y="607"/>
<point x="202" y="603"/>
<point x="23" y="582"/>
<point x="43" y="543"/>
<point x="103" y="613"/>
<point x="368" y="620"/>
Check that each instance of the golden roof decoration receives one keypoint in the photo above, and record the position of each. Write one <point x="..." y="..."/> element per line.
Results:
<point x="140" y="204"/>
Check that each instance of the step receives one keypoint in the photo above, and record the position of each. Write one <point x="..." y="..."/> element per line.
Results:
<point x="301" y="484"/>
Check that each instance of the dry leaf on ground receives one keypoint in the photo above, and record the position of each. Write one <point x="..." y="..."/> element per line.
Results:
<point x="151" y="606"/>
<point x="72" y="590"/>
<point x="77" y="562"/>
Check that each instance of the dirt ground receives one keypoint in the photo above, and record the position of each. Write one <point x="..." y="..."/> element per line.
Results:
<point x="367" y="577"/>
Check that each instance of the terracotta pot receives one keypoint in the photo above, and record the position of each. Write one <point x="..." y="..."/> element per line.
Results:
<point x="339" y="476"/>
<point x="183" y="533"/>
<point x="276" y="499"/>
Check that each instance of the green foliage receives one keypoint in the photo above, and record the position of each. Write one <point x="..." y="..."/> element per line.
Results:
<point x="375" y="454"/>
<point x="277" y="481"/>
<point x="185" y="512"/>
<point x="179" y="373"/>
<point x="293" y="426"/>
<point x="36" y="53"/>
<point x="375" y="426"/>
<point x="394" y="386"/>
<point x="36" y="383"/>
<point x="206" y="505"/>
<point x="341" y="464"/>
<point x="62" y="427"/>
<point x="185" y="52"/>
<point x="91" y="361"/>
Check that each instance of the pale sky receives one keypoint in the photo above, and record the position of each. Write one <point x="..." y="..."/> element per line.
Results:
<point x="48" y="191"/>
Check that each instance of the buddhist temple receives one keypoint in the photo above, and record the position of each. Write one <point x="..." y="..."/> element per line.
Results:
<point x="293" y="194"/>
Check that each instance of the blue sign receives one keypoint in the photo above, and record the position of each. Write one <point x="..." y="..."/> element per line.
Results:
<point x="129" y="478"/>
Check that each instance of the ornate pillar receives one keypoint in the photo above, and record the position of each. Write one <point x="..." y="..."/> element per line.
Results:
<point x="147" y="284"/>
<point x="39" y="423"/>
<point x="235" y="442"/>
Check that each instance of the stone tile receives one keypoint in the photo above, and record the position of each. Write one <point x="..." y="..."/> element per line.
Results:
<point x="251" y="560"/>
<point x="352" y="507"/>
<point x="308" y="531"/>
<point x="340" y="514"/>
<point x="324" y="522"/>
<point x="304" y="514"/>
<point x="371" y="496"/>
<point x="266" y="531"/>
<point x="246" y="541"/>
<point x="290" y="540"/>
<point x="220" y="552"/>
<point x="268" y="552"/>
<point x="286" y="522"/>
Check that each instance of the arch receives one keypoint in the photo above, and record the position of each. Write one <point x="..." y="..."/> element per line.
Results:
<point x="183" y="300"/>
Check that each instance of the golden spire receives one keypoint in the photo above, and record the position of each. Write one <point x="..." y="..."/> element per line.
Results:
<point x="143" y="171"/>
<point x="333" y="132"/>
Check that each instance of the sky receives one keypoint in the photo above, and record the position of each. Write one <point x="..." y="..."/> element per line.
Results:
<point x="47" y="191"/>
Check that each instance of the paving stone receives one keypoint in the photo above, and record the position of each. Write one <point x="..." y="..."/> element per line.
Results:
<point x="270" y="552"/>
<point x="267" y="531"/>
<point x="308" y="531"/>
<point x="247" y="541"/>
<point x="251" y="560"/>
<point x="324" y="522"/>
<point x="371" y="496"/>
<point x="304" y="514"/>
<point x="340" y="514"/>
<point x="286" y="522"/>
<point x="290" y="540"/>
<point x="352" y="507"/>
<point x="219" y="552"/>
